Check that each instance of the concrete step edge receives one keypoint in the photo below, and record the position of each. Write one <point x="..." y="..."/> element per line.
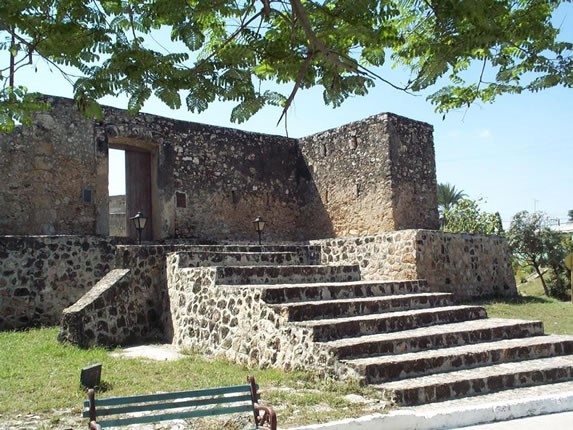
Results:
<point x="460" y="350"/>
<point x="502" y="369"/>
<point x="385" y="315"/>
<point x="360" y="300"/>
<point x="435" y="330"/>
<point x="499" y="406"/>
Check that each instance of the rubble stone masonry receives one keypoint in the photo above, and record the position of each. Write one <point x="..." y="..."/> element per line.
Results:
<point x="210" y="182"/>
<point x="41" y="275"/>
<point x="466" y="265"/>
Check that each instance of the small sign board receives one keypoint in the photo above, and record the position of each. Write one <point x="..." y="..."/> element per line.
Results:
<point x="91" y="375"/>
<point x="569" y="261"/>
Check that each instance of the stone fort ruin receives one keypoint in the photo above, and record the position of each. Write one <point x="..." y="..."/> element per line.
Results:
<point x="352" y="272"/>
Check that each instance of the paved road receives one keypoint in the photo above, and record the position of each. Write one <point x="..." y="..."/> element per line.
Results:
<point x="561" y="421"/>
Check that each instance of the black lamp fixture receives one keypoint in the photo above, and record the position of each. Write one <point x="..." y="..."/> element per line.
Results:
<point x="139" y="220"/>
<point x="259" y="226"/>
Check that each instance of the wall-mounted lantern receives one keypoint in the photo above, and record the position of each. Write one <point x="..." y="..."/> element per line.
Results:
<point x="139" y="221"/>
<point x="259" y="223"/>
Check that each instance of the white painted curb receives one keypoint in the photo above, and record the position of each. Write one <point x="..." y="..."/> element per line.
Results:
<point x="452" y="418"/>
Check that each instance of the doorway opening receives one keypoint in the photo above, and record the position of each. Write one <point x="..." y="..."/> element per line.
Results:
<point x="130" y="178"/>
<point x="116" y="193"/>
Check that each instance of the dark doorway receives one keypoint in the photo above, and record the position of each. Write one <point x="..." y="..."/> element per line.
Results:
<point x="138" y="190"/>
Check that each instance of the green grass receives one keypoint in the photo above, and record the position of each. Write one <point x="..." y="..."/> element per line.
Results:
<point x="532" y="304"/>
<point x="39" y="375"/>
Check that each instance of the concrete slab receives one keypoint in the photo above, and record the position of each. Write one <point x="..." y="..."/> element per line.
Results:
<point x="158" y="352"/>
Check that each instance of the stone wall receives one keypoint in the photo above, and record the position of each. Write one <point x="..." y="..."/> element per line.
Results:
<point x="371" y="176"/>
<point x="40" y="276"/>
<point x="148" y="276"/>
<point x="48" y="175"/>
<point x="468" y="266"/>
<point x="209" y="183"/>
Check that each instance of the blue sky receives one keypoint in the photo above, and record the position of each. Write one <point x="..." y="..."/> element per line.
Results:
<point x="515" y="154"/>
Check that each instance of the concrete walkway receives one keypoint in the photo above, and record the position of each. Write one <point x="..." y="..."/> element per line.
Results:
<point x="553" y="421"/>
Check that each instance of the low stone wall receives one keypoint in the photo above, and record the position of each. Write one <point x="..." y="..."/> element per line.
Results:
<point x="109" y="314"/>
<point x="387" y="256"/>
<point x="236" y="323"/>
<point x="42" y="275"/>
<point x="466" y="265"/>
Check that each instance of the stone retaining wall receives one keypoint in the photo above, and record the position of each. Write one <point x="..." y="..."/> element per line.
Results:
<point x="42" y="275"/>
<point x="466" y="265"/>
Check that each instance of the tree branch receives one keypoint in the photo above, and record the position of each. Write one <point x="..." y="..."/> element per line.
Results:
<point x="299" y="77"/>
<point x="316" y="44"/>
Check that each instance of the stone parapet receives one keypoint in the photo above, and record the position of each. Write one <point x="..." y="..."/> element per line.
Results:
<point x="208" y="183"/>
<point x="465" y="265"/>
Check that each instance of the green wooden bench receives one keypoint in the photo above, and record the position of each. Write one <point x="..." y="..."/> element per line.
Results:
<point x="149" y="408"/>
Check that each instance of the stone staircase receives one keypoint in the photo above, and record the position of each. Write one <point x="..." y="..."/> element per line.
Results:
<point x="397" y="335"/>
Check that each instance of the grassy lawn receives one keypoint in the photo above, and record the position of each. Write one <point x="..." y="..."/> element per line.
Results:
<point x="557" y="316"/>
<point x="38" y="375"/>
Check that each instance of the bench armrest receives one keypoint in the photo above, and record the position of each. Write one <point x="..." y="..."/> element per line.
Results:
<point x="265" y="417"/>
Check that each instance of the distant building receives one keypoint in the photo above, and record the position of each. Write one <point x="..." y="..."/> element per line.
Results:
<point x="566" y="227"/>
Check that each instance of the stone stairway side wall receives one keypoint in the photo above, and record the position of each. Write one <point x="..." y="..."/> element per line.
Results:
<point x="147" y="264"/>
<point x="236" y="323"/>
<point x="108" y="315"/>
<point x="466" y="265"/>
<point x="387" y="256"/>
<point x="41" y="275"/>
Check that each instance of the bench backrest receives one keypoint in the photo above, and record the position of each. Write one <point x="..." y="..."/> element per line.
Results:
<point x="122" y="411"/>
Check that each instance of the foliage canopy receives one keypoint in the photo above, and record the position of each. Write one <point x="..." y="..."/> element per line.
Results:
<point x="465" y="216"/>
<point x="228" y="50"/>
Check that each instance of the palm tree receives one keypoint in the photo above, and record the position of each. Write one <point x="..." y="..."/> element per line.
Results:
<point x="448" y="196"/>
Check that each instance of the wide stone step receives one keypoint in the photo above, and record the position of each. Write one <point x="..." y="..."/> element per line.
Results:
<point x="376" y="370"/>
<point x="481" y="380"/>
<point x="438" y="336"/>
<point x="321" y="309"/>
<point x="249" y="275"/>
<point x="275" y="294"/>
<point x="337" y="328"/>
<point x="241" y="259"/>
